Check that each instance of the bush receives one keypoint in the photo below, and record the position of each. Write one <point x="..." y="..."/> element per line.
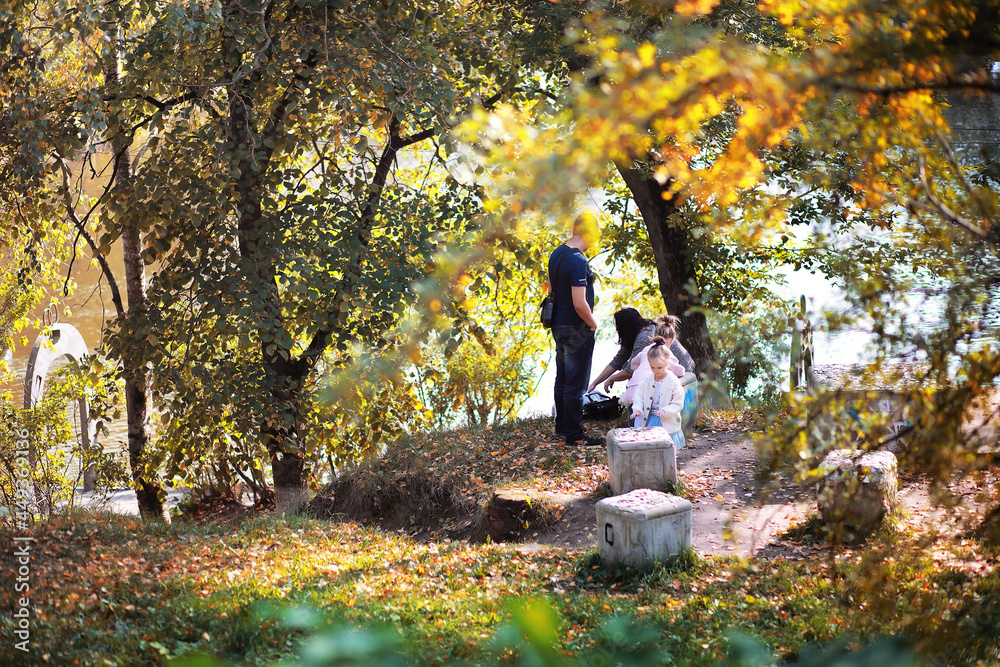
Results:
<point x="60" y="456"/>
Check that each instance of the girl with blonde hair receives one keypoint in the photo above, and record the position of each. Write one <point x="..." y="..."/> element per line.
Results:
<point x="659" y="396"/>
<point x="666" y="328"/>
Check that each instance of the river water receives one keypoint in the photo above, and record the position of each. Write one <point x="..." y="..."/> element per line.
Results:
<point x="88" y="308"/>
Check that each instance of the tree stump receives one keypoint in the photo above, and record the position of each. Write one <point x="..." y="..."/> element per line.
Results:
<point x="512" y="512"/>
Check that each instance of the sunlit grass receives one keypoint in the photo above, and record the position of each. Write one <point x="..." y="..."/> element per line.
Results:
<point x="107" y="588"/>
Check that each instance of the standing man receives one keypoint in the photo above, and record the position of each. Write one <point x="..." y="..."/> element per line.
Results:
<point x="573" y="327"/>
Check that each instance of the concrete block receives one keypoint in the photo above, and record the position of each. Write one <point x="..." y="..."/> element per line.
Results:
<point x="641" y="459"/>
<point x="857" y="488"/>
<point x="642" y="526"/>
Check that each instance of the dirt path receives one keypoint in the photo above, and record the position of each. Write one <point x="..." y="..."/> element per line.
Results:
<point x="727" y="517"/>
<point x="717" y="470"/>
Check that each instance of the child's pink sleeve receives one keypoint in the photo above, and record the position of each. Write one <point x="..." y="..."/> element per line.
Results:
<point x="639" y="358"/>
<point x="674" y="366"/>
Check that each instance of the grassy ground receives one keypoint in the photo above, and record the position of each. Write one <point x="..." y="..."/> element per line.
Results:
<point x="435" y="483"/>
<point x="109" y="590"/>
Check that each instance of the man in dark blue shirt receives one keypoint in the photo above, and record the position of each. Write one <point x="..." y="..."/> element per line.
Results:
<point x="573" y="327"/>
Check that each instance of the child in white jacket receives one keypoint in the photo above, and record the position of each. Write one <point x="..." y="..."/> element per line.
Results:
<point x="659" y="397"/>
<point x="666" y="326"/>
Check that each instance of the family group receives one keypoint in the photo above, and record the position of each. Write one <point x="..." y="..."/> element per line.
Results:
<point x="651" y="359"/>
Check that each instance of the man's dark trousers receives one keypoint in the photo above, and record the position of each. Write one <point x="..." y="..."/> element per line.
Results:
<point x="574" y="352"/>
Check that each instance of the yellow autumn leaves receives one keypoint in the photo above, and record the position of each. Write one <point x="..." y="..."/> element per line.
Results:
<point x="641" y="104"/>
<point x="705" y="111"/>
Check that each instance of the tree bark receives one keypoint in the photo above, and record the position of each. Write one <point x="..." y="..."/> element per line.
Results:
<point x="148" y="491"/>
<point x="285" y="447"/>
<point x="286" y="375"/>
<point x="674" y="270"/>
<point x="252" y="130"/>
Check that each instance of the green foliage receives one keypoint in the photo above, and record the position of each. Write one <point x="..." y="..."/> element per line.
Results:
<point x="748" y="345"/>
<point x="59" y="455"/>
<point x="484" y="368"/>
<point x="732" y="273"/>
<point x="746" y="652"/>
<point x="31" y="257"/>
<point x="483" y="387"/>
<point x="532" y="634"/>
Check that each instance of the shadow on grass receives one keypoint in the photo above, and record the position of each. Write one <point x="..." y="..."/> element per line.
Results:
<point x="592" y="572"/>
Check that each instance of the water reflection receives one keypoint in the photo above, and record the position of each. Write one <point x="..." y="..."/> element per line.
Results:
<point x="88" y="309"/>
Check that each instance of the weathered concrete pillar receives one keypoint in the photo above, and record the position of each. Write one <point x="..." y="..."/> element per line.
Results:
<point x="642" y="526"/>
<point x="858" y="489"/>
<point x="641" y="459"/>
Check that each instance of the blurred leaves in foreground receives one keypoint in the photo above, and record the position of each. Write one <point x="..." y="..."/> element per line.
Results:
<point x="530" y="638"/>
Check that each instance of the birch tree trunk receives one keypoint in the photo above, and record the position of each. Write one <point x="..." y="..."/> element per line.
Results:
<point x="148" y="491"/>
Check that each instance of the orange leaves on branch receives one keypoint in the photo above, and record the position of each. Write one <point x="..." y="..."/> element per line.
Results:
<point x="695" y="7"/>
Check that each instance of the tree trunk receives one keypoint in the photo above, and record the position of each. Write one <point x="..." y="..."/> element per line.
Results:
<point x="282" y="436"/>
<point x="280" y="431"/>
<point x="148" y="492"/>
<point x="288" y="470"/>
<point x="675" y="273"/>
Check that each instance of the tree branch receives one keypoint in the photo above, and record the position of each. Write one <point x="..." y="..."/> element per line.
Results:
<point x="277" y="115"/>
<point x="423" y="135"/>
<point x="81" y="227"/>
<point x="886" y="91"/>
<point x="321" y="339"/>
<point x="943" y="209"/>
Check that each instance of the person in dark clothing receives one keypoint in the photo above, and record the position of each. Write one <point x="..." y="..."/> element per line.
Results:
<point x="635" y="333"/>
<point x="573" y="325"/>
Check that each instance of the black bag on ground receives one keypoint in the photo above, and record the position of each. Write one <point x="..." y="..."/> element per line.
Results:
<point x="599" y="404"/>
